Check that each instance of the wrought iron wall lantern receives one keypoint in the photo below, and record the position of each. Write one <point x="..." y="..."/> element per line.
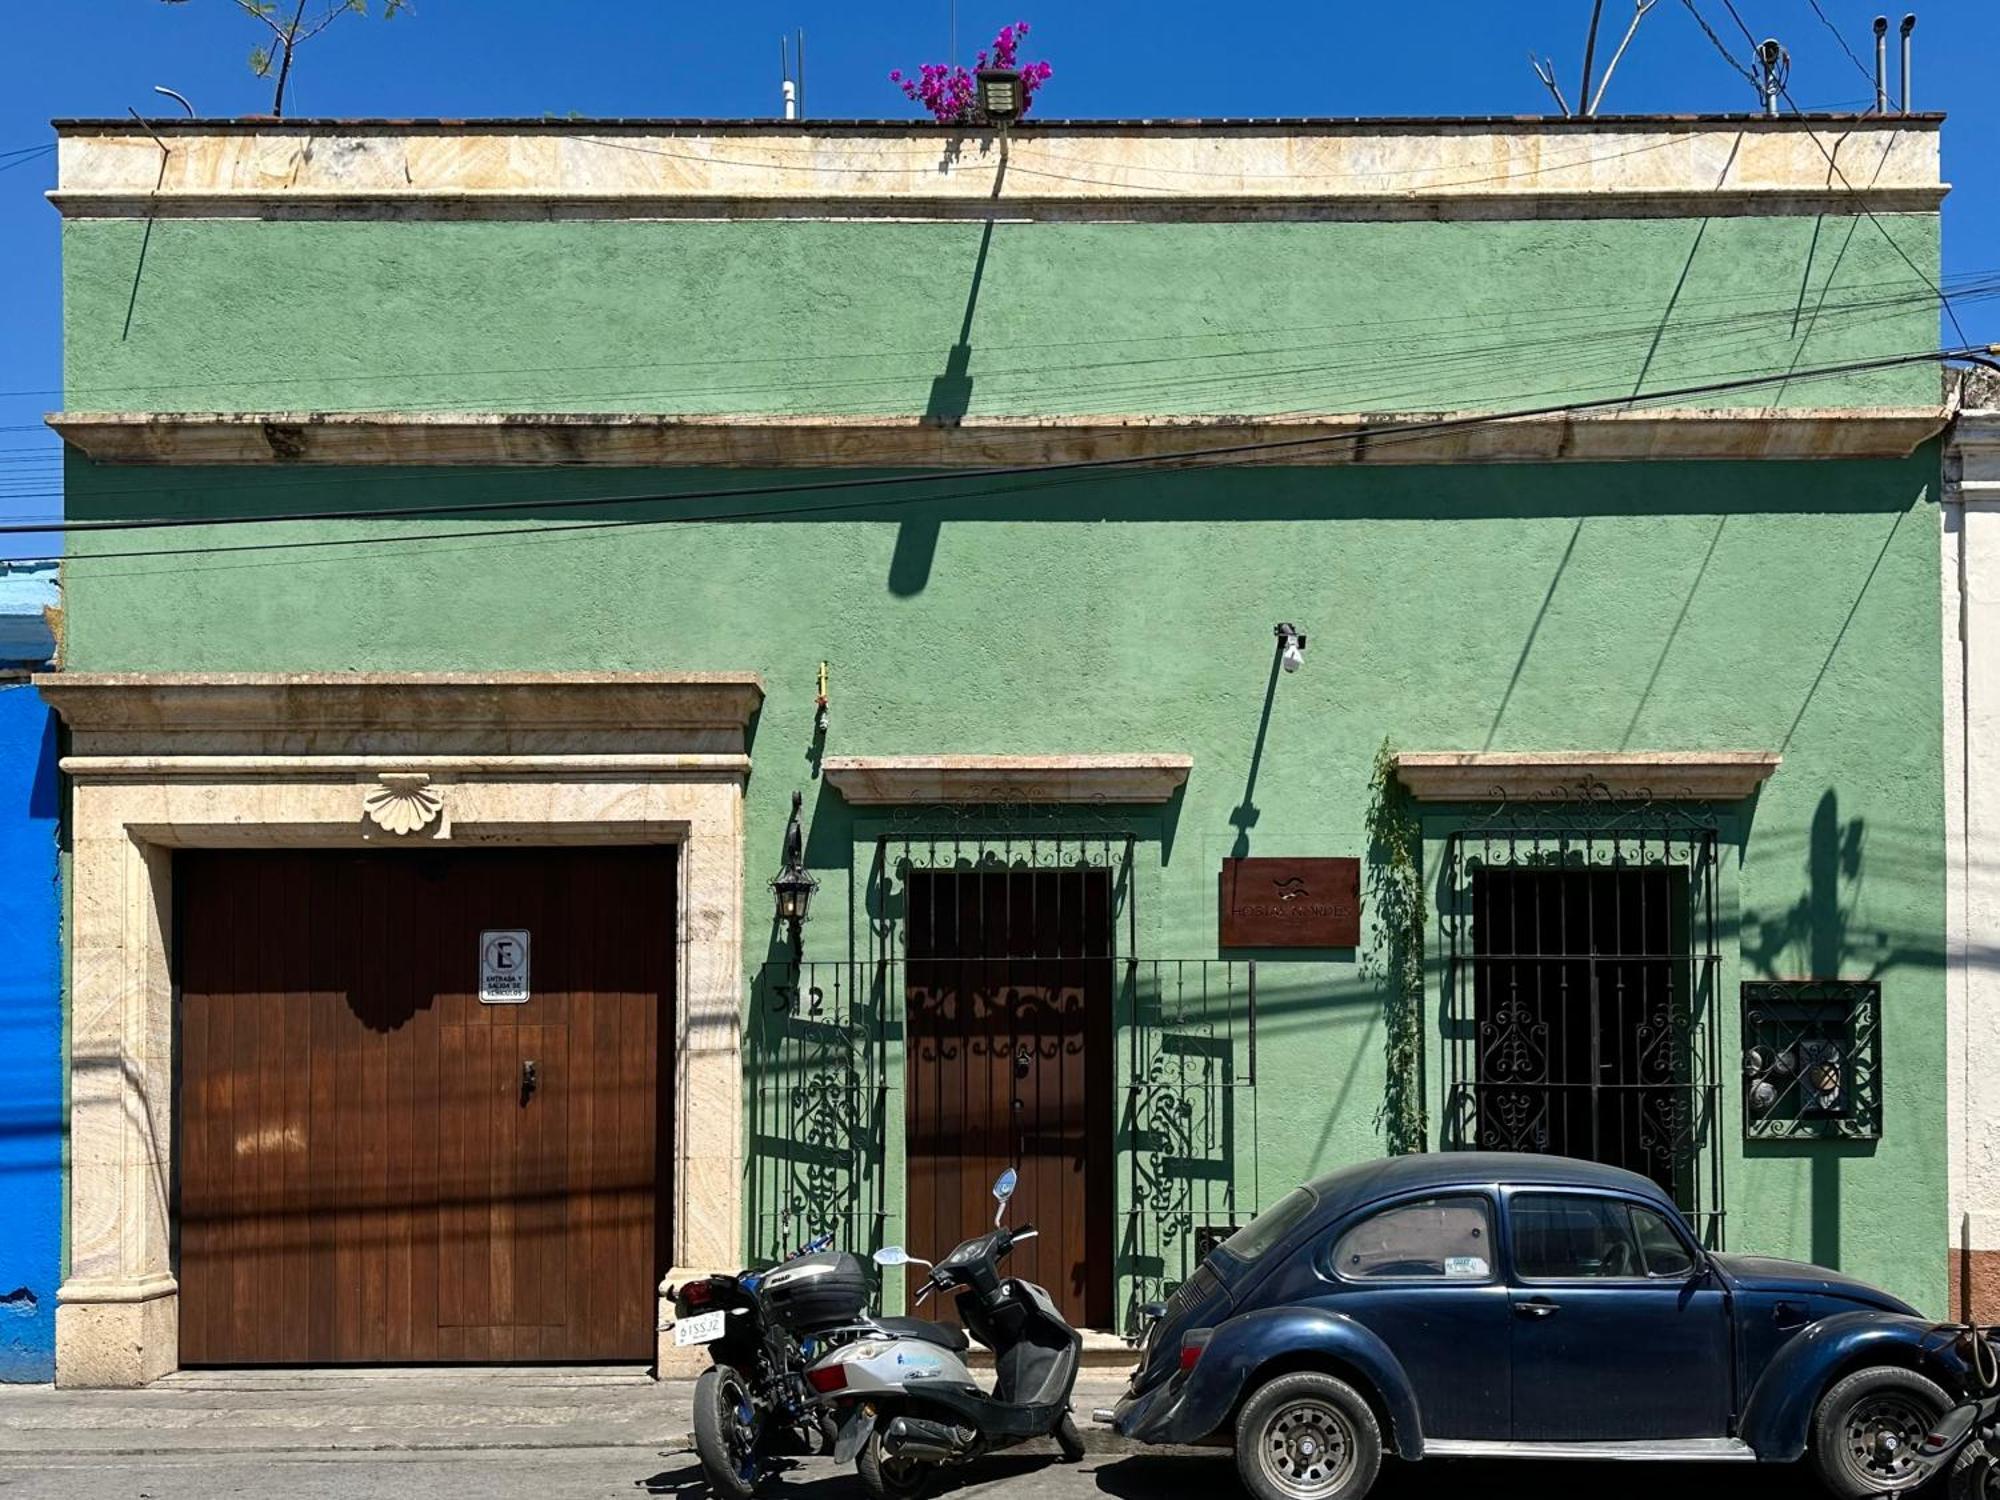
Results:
<point x="1001" y="95"/>
<point x="793" y="885"/>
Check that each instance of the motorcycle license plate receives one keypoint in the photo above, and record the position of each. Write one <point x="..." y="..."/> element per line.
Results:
<point x="705" y="1328"/>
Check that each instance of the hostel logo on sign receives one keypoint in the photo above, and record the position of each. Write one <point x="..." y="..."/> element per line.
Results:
<point x="503" y="966"/>
<point x="1291" y="903"/>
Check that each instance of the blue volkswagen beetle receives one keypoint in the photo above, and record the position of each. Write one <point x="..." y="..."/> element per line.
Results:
<point x="1469" y="1303"/>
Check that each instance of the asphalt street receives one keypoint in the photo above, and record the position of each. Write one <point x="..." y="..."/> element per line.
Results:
<point x="613" y="1434"/>
<point x="633" y="1473"/>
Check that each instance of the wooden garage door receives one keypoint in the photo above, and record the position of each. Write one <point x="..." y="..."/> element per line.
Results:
<point x="367" y="1174"/>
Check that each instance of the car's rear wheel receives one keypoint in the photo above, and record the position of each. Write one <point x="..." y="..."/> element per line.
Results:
<point x="1869" y="1428"/>
<point x="1307" y="1437"/>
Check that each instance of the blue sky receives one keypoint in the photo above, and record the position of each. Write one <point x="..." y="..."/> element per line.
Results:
<point x="1111" y="57"/>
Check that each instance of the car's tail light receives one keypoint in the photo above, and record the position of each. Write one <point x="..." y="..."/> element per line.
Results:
<point x="826" y="1379"/>
<point x="1192" y="1343"/>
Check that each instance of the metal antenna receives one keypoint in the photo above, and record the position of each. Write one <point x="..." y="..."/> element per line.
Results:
<point x="802" y="71"/>
<point x="787" y="89"/>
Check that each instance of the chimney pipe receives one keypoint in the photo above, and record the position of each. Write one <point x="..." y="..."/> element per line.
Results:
<point x="1881" y="65"/>
<point x="1909" y="25"/>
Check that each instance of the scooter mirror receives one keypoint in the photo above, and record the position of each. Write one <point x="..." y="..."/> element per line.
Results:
<point x="1004" y="1185"/>
<point x="892" y="1255"/>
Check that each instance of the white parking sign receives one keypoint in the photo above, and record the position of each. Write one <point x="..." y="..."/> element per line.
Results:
<point x="503" y="966"/>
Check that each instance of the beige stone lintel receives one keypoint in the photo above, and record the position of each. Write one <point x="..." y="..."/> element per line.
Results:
<point x="568" y="767"/>
<point x="1137" y="205"/>
<point x="408" y="718"/>
<point x="873" y="780"/>
<point x="1688" y="775"/>
<point x="1434" y="168"/>
<point x="627" y="440"/>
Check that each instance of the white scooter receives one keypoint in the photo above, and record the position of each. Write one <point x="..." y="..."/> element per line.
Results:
<point x="909" y="1407"/>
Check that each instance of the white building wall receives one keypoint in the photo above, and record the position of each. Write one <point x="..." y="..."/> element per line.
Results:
<point x="1970" y="517"/>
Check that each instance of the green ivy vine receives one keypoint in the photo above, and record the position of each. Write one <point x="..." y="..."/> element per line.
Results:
<point x="1396" y="891"/>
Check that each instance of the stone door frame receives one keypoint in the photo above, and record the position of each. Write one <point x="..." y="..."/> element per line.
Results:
<point x="159" y="762"/>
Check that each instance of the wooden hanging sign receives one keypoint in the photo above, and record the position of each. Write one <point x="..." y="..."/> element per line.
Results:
<point x="1291" y="903"/>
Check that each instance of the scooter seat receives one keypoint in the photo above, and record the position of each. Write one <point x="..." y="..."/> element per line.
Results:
<point x="942" y="1334"/>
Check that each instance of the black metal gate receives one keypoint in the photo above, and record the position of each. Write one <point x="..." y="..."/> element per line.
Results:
<point x="1582" y="980"/>
<point x="822" y="1035"/>
<point x="1190" y="1117"/>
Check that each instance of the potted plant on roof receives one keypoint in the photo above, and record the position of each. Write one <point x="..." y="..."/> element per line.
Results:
<point x="998" y="89"/>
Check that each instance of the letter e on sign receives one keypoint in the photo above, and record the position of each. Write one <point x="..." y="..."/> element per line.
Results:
<point x="503" y="966"/>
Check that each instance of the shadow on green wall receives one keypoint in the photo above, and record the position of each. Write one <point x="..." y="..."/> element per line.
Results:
<point x="1817" y="937"/>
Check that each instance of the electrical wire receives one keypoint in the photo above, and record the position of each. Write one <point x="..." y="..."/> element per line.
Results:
<point x="1730" y="6"/>
<point x="1859" y="66"/>
<point x="1833" y="165"/>
<point x="1372" y="437"/>
<point x="1309" y="389"/>
<point x="1727" y="56"/>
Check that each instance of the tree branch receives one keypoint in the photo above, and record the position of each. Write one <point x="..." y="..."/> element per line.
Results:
<point x="262" y="13"/>
<point x="1547" y="73"/>
<point x="1590" y="51"/>
<point x="1638" y="15"/>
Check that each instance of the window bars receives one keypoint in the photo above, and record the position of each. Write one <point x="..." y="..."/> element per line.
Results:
<point x="1812" y="1059"/>
<point x="1581" y="988"/>
<point x="818" y="1104"/>
<point x="1190" y="1117"/>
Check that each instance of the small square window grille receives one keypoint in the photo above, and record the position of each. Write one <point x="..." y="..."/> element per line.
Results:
<point x="1812" y="1059"/>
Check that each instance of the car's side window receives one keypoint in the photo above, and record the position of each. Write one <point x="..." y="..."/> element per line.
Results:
<point x="1661" y="1252"/>
<point x="1562" y="1238"/>
<point x="1433" y="1239"/>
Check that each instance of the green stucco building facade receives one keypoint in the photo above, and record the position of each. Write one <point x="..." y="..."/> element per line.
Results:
<point x="558" y="469"/>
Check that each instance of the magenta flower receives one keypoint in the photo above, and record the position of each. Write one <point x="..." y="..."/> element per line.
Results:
<point x="950" y="94"/>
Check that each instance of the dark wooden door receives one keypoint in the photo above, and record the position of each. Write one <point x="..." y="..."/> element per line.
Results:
<point x="365" y="1177"/>
<point x="1008" y="1063"/>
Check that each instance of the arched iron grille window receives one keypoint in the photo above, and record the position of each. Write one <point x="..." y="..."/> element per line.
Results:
<point x="1582" y="980"/>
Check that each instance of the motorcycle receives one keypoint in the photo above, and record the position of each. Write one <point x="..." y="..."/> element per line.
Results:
<point x="907" y="1407"/>
<point x="752" y="1409"/>
<point x="1965" y="1442"/>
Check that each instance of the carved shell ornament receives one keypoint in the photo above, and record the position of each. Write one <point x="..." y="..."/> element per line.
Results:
<point x="403" y="802"/>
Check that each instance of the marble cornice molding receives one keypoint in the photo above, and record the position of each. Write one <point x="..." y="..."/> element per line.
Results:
<point x="1663" y="775"/>
<point x="640" y="439"/>
<point x="502" y="723"/>
<point x="890" y="780"/>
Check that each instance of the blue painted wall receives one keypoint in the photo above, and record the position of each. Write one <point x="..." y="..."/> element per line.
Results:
<point x="30" y="1000"/>
<point x="30" y="1039"/>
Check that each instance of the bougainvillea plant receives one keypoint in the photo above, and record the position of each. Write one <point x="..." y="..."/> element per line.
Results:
<point x="950" y="92"/>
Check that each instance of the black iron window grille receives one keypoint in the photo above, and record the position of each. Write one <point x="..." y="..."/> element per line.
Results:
<point x="1581" y="981"/>
<point x="1190" y="1118"/>
<point x="818" y="1100"/>
<point x="1812" y="1059"/>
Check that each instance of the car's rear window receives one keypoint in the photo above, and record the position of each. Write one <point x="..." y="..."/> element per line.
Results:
<point x="1272" y="1225"/>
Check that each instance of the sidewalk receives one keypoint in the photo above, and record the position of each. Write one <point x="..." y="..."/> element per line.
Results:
<point x="361" y="1411"/>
